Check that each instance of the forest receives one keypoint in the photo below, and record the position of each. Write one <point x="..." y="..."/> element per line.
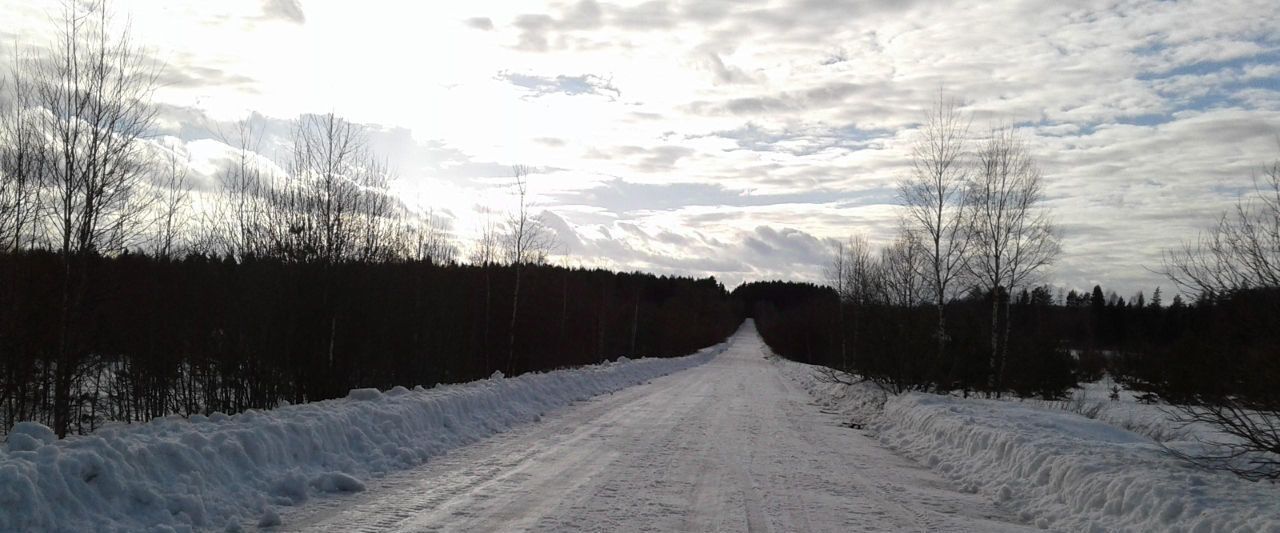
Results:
<point x="153" y="336"/>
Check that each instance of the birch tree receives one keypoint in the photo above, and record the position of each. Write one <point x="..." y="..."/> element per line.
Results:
<point x="1012" y="238"/>
<point x="934" y="197"/>
<point x="528" y="241"/>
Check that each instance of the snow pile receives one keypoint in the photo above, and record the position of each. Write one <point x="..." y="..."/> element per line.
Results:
<point x="229" y="471"/>
<point x="1055" y="469"/>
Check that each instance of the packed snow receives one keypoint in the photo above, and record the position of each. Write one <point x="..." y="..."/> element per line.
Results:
<point x="1057" y="469"/>
<point x="727" y="446"/>
<point x="235" y="471"/>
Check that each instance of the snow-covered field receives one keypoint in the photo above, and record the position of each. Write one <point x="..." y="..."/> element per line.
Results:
<point x="1057" y="469"/>
<point x="233" y="471"/>
<point x="1150" y="419"/>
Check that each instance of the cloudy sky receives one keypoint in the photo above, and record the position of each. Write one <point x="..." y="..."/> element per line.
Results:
<point x="738" y="138"/>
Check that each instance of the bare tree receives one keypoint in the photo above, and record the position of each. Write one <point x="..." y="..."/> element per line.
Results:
<point x="233" y="223"/>
<point x="426" y="238"/>
<point x="862" y="283"/>
<point x="334" y="205"/>
<point x="902" y="266"/>
<point x="94" y="90"/>
<point x="855" y="273"/>
<point x="377" y="212"/>
<point x="528" y="241"/>
<point x="319" y="195"/>
<point x="1011" y="236"/>
<point x="173" y="196"/>
<point x="1241" y="252"/>
<point x="933" y="195"/>
<point x="1247" y="443"/>
<point x="485" y="249"/>
<point x="23" y="154"/>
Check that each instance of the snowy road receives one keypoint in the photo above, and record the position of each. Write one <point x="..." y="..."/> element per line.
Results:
<point x="731" y="445"/>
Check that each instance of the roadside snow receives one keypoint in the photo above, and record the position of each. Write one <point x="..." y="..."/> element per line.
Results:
<point x="229" y="471"/>
<point x="1055" y="469"/>
<point x="731" y="445"/>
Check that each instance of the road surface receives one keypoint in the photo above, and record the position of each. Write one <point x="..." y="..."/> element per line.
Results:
<point x="731" y="445"/>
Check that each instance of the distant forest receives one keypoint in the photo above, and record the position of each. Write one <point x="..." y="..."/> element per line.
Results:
<point x="1224" y="346"/>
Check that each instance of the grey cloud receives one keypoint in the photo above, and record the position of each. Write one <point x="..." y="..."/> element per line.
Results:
<point x="541" y="32"/>
<point x="287" y="10"/>
<point x="565" y="235"/>
<point x="197" y="76"/>
<point x="822" y="96"/>
<point x="621" y="196"/>
<point x="663" y="157"/>
<point x="480" y="23"/>
<point x="655" y="14"/>
<point x="802" y="141"/>
<point x="724" y="73"/>
<point x="708" y="12"/>
<point x="584" y="15"/>
<point x="590" y="84"/>
<point x="782" y="252"/>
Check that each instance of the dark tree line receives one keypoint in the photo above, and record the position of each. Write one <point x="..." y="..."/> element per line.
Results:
<point x="893" y="345"/>
<point x="202" y="334"/>
<point x="1211" y="348"/>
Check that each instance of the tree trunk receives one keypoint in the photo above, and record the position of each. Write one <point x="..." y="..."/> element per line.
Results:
<point x="1004" y="344"/>
<point x="635" y="324"/>
<point x="488" y="298"/>
<point x="942" y="339"/>
<point x="994" y="365"/>
<point x="515" y="310"/>
<point x="844" y="351"/>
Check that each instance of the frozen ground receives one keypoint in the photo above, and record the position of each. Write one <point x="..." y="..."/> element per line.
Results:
<point x="731" y="445"/>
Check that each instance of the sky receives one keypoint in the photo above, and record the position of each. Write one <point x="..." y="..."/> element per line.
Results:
<point x="739" y="139"/>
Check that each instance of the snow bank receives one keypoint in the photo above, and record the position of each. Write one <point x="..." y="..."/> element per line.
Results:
<point x="1055" y="469"/>
<point x="228" y="471"/>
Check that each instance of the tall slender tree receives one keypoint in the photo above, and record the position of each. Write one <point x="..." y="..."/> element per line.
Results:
<point x="934" y="197"/>
<point x="1011" y="236"/>
<point x="528" y="241"/>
